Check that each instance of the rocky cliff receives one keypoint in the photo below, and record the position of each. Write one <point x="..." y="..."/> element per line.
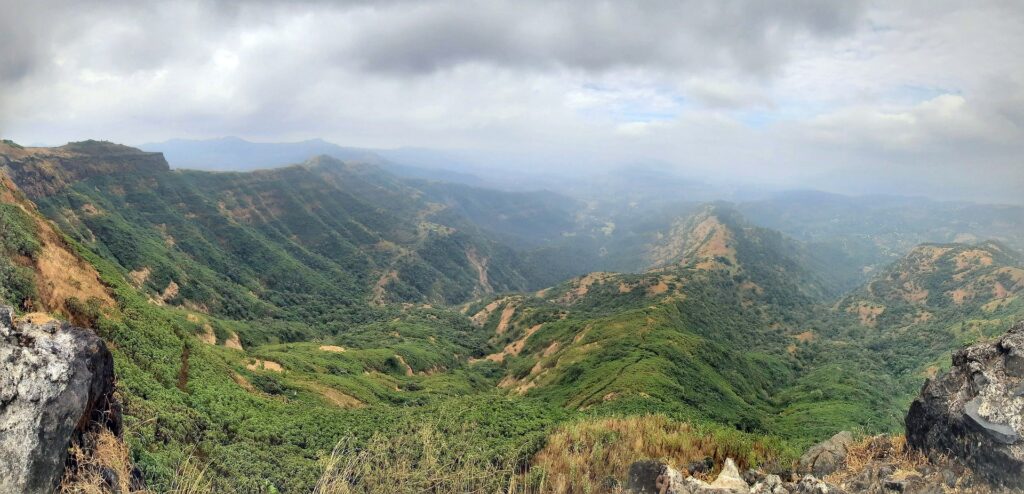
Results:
<point x="42" y="172"/>
<point x="975" y="412"/>
<point x="56" y="385"/>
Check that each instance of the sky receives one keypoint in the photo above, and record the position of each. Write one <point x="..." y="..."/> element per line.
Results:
<point x="912" y="97"/>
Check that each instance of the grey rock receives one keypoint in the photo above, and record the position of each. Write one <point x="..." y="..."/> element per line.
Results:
<point x="998" y="432"/>
<point x="811" y="485"/>
<point x="56" y="381"/>
<point x="771" y="484"/>
<point x="650" y="476"/>
<point x="730" y="479"/>
<point x="703" y="466"/>
<point x="110" y="480"/>
<point x="826" y="457"/>
<point x="752" y="476"/>
<point x="643" y="475"/>
<point x="974" y="413"/>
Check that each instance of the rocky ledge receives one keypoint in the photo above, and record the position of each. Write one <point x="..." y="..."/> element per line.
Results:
<point x="974" y="411"/>
<point x="56" y="385"/>
<point x="963" y="435"/>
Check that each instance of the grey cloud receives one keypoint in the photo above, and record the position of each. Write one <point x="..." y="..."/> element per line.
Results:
<point x="765" y="90"/>
<point x="749" y="36"/>
<point x="402" y="37"/>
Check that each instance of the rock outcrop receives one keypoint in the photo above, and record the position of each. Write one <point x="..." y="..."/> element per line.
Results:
<point x="826" y="457"/>
<point x="656" y="477"/>
<point x="56" y="383"/>
<point x="975" y="412"/>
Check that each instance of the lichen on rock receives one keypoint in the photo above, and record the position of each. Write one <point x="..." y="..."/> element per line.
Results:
<point x="975" y="412"/>
<point x="56" y="383"/>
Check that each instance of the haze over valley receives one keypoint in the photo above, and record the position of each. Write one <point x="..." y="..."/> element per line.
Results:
<point x="531" y="247"/>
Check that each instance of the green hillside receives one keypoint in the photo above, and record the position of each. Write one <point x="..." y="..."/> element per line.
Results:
<point x="310" y="243"/>
<point x="258" y="319"/>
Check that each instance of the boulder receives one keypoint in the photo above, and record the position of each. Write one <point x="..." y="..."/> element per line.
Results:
<point x="810" y="485"/>
<point x="827" y="456"/>
<point x="729" y="479"/>
<point x="643" y="476"/>
<point x="653" y="477"/>
<point x="56" y="381"/>
<point x="975" y="411"/>
<point x="771" y="484"/>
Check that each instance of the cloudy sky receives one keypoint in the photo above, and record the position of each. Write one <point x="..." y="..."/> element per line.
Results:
<point x="889" y="96"/>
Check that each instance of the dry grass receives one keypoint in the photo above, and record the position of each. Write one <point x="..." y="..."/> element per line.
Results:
<point x="892" y="450"/>
<point x="591" y="456"/>
<point x="105" y="451"/>
<point x="423" y="461"/>
<point x="190" y="478"/>
<point x="108" y="452"/>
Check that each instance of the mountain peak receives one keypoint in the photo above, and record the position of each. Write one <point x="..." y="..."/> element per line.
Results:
<point x="935" y="277"/>
<point x="705" y="240"/>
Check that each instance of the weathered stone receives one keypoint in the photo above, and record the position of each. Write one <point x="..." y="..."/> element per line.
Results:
<point x="998" y="432"/>
<point x="703" y="466"/>
<point x="643" y="475"/>
<point x="811" y="485"/>
<point x="974" y="412"/>
<point x="55" y="382"/>
<point x="650" y="476"/>
<point x="771" y="484"/>
<point x="826" y="457"/>
<point x="110" y="480"/>
<point x="753" y="476"/>
<point x="729" y="479"/>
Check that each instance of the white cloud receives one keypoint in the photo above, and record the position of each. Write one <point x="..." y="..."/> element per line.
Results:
<point x="788" y="92"/>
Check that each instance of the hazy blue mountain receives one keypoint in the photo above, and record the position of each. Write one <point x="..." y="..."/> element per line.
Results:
<point x="237" y="154"/>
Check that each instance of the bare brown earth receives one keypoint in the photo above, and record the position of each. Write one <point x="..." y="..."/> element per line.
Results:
<point x="266" y="365"/>
<point x="139" y="276"/>
<point x="506" y="317"/>
<point x="513" y="349"/>
<point x="233" y="342"/>
<point x="480" y="264"/>
<point x="335" y="397"/>
<point x="243" y="382"/>
<point x="408" y="369"/>
<point x="703" y="245"/>
<point x="36" y="318"/>
<point x="59" y="273"/>
<point x="332" y="348"/>
<point x="208" y="336"/>
<point x="380" y="287"/>
<point x="480" y="318"/>
<point x="581" y="286"/>
<point x="867" y="312"/>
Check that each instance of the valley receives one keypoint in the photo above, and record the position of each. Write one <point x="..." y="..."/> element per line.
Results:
<point x="258" y="319"/>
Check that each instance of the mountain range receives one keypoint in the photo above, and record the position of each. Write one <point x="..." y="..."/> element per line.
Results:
<point x="259" y="316"/>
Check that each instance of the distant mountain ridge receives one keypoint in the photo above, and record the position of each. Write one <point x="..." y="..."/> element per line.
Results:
<point x="237" y="154"/>
<point x="328" y="232"/>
